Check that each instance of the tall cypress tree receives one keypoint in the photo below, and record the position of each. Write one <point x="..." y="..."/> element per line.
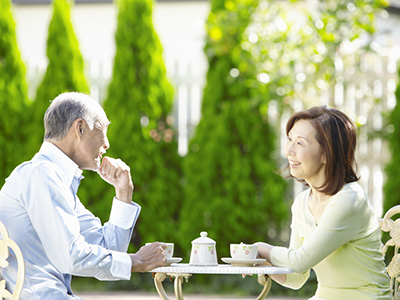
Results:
<point x="392" y="170"/>
<point x="231" y="190"/>
<point x="138" y="104"/>
<point x="65" y="70"/>
<point x="13" y="96"/>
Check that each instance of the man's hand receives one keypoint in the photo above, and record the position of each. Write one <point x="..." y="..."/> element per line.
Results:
<point x="149" y="257"/>
<point x="118" y="174"/>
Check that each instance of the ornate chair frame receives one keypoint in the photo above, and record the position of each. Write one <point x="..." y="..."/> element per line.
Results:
<point x="393" y="228"/>
<point x="5" y="244"/>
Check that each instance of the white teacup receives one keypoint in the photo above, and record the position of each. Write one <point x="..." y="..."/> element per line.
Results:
<point x="169" y="250"/>
<point x="243" y="251"/>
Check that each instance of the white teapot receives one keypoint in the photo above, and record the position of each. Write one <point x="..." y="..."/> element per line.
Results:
<point x="203" y="252"/>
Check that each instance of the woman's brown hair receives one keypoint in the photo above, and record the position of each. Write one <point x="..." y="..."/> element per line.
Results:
<point x="337" y="135"/>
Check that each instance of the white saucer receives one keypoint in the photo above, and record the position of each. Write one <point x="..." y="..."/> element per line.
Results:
<point x="243" y="262"/>
<point x="173" y="260"/>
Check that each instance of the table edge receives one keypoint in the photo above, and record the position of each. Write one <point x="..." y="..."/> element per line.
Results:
<point x="221" y="269"/>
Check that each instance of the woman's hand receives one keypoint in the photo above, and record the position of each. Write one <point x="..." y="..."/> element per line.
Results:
<point x="264" y="251"/>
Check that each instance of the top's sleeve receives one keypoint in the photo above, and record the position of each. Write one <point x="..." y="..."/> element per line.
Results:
<point x="50" y="205"/>
<point x="117" y="232"/>
<point x="295" y="280"/>
<point x="337" y="227"/>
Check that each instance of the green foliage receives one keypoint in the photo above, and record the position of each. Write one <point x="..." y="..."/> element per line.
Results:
<point x="262" y="55"/>
<point x="231" y="189"/>
<point x="13" y="96"/>
<point x="301" y="51"/>
<point x="65" y="70"/>
<point x="392" y="170"/>
<point x="138" y="105"/>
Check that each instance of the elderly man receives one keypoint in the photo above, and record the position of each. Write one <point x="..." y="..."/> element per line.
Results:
<point x="57" y="235"/>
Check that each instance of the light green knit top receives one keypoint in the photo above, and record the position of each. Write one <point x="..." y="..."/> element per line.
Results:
<point x="343" y="249"/>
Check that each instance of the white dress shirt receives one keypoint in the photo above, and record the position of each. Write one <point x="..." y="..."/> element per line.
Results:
<point x="57" y="235"/>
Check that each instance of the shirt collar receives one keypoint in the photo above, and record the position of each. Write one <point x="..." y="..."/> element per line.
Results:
<point x="69" y="167"/>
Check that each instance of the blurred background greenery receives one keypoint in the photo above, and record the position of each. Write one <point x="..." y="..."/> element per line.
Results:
<point x="265" y="60"/>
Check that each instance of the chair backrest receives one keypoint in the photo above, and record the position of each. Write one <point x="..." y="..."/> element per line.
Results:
<point x="392" y="226"/>
<point x="5" y="244"/>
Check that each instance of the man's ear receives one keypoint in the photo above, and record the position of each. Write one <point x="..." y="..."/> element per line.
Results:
<point x="78" y="127"/>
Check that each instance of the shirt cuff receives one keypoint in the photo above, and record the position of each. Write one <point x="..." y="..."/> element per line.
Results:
<point x="124" y="215"/>
<point x="121" y="265"/>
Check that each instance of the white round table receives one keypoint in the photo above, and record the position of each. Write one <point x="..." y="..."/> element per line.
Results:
<point x="181" y="271"/>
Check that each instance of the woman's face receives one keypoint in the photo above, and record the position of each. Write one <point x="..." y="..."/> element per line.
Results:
<point x="306" y="159"/>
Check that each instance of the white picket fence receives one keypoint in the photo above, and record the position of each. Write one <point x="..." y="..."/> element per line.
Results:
<point x="370" y="96"/>
<point x="367" y="96"/>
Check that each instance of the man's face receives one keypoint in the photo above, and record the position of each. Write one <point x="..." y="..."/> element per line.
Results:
<point x="93" y="145"/>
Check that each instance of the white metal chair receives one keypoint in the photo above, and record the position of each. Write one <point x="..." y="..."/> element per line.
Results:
<point x="5" y="244"/>
<point x="393" y="228"/>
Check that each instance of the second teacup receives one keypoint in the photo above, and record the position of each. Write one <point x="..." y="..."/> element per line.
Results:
<point x="243" y="251"/>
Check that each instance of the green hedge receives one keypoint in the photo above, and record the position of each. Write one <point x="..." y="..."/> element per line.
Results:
<point x="65" y="69"/>
<point x="231" y="190"/>
<point x="14" y="102"/>
<point x="139" y="104"/>
<point x="392" y="170"/>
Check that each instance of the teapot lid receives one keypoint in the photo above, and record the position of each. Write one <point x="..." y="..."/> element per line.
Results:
<point x="203" y="239"/>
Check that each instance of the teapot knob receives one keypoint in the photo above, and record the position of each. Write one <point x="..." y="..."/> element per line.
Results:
<point x="203" y="234"/>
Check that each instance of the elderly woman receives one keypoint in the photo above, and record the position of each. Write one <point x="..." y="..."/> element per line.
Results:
<point x="334" y="230"/>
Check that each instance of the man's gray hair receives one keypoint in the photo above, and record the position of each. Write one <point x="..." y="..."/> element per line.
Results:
<point x="68" y="107"/>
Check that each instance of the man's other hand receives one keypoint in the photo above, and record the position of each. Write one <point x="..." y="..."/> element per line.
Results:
<point x="117" y="173"/>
